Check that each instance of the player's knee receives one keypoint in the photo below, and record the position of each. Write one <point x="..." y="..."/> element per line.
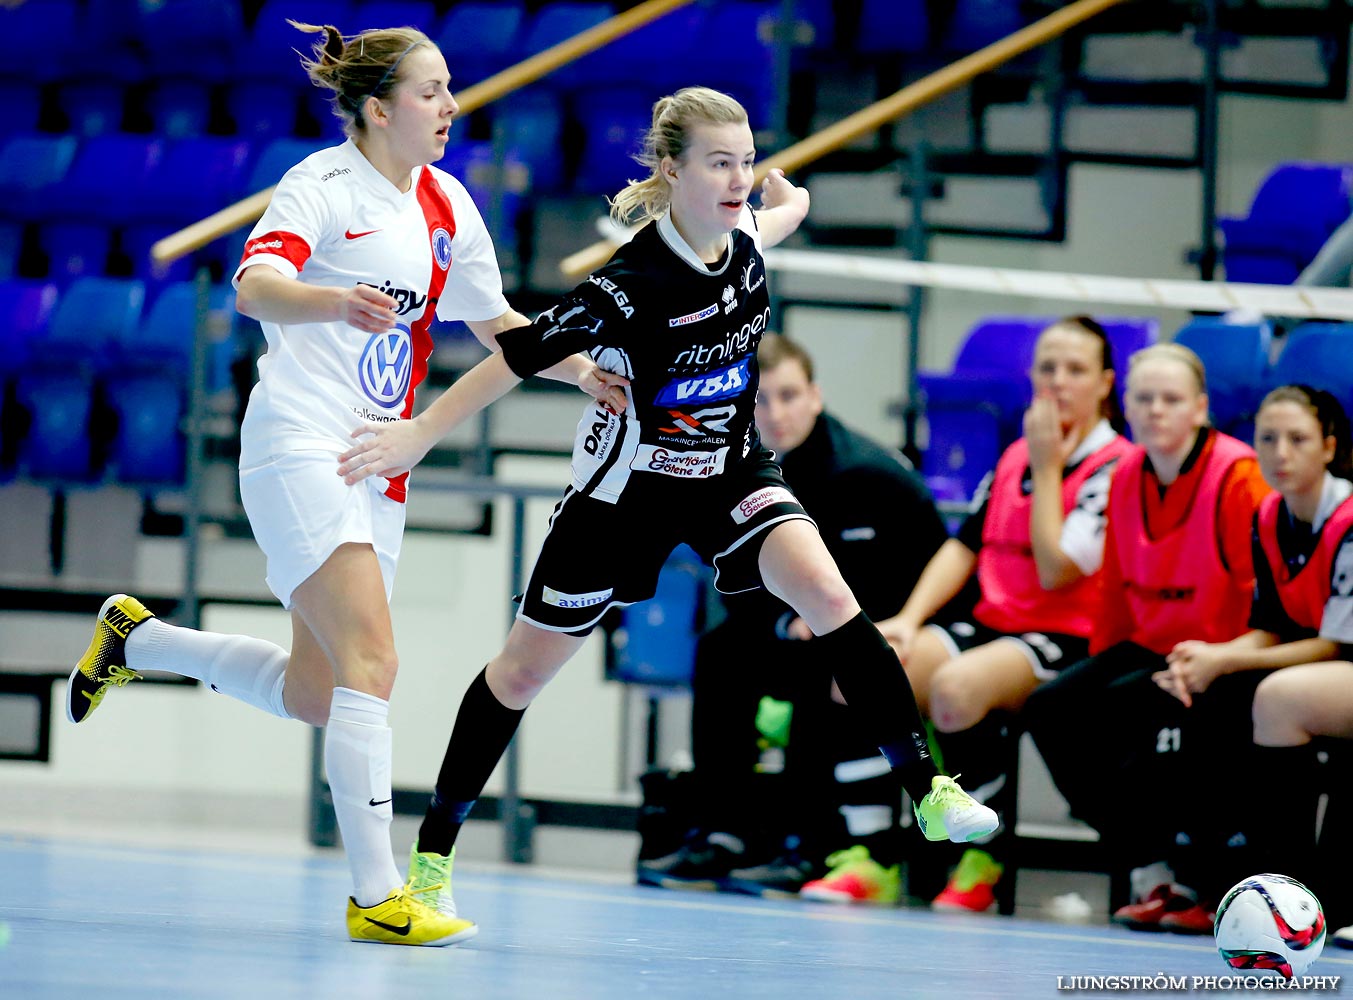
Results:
<point x="516" y="682"/>
<point x="954" y="704"/>
<point x="1276" y="705"/>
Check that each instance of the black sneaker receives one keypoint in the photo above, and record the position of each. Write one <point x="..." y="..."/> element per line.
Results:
<point x="702" y="862"/>
<point x="778" y="879"/>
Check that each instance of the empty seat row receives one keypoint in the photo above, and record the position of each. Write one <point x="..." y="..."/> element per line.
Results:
<point x="95" y="384"/>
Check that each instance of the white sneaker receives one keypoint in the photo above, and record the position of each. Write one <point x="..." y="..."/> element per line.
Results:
<point x="1343" y="937"/>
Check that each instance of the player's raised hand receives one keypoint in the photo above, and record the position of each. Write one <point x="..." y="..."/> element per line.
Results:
<point x="778" y="190"/>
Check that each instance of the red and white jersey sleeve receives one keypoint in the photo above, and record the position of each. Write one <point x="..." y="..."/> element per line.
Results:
<point x="335" y="221"/>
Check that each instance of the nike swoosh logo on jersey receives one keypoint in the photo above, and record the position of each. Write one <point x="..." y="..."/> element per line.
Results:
<point x="357" y="236"/>
<point x="401" y="931"/>
<point x="382" y="802"/>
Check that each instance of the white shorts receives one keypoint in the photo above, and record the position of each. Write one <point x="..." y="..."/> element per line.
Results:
<point x="301" y="511"/>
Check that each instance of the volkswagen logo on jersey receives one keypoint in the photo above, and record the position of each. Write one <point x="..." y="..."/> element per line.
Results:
<point x="441" y="247"/>
<point x="387" y="366"/>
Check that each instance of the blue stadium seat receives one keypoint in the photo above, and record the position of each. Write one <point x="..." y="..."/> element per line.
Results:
<point x="480" y="39"/>
<point x="58" y="444"/>
<point x="975" y="24"/>
<point x="92" y="108"/>
<point x="1235" y="358"/>
<point x="31" y="168"/>
<point x="26" y="308"/>
<point x="75" y="249"/>
<point x="630" y="59"/>
<point x="734" y="51"/>
<point x="91" y="315"/>
<point x="1294" y="211"/>
<point x="555" y="22"/>
<point x="533" y="124"/>
<point x="44" y="40"/>
<point x="1319" y="355"/>
<point x="277" y="157"/>
<point x="198" y="41"/>
<point x="264" y="109"/>
<point x="655" y="643"/>
<point x="25" y="106"/>
<point x="135" y="242"/>
<point x="963" y="444"/>
<point x="163" y="344"/>
<point x="472" y="163"/>
<point x="269" y="50"/>
<point x="180" y="108"/>
<point x="11" y="245"/>
<point x="108" y="179"/>
<point x="149" y="446"/>
<point x="420" y="14"/>
<point x="112" y="29"/>
<point x="893" y="26"/>
<point x="195" y="177"/>
<point x="613" y="125"/>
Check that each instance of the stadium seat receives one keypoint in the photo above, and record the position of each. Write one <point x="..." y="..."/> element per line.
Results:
<point x="112" y="29"/>
<point x="194" y="178"/>
<point x="963" y="444"/>
<point x="472" y="163"/>
<point x="533" y="125"/>
<point x="198" y="41"/>
<point x="91" y="315"/>
<point x="480" y="39"/>
<point x="269" y="49"/>
<point x="1318" y="355"/>
<point x="163" y="344"/>
<point x="1294" y="211"/>
<point x="11" y="246"/>
<point x="45" y="40"/>
<point x="31" y="167"/>
<point x="975" y="24"/>
<point x="1235" y="358"/>
<point x="134" y="243"/>
<point x="264" y="109"/>
<point x="25" y="107"/>
<point x="734" y="51"/>
<point x="180" y="108"/>
<point x="92" y="107"/>
<point x="655" y="643"/>
<point x="613" y="125"/>
<point x="420" y="14"/>
<point x="629" y="60"/>
<point x="75" y="250"/>
<point x="108" y="179"/>
<point x="556" y="22"/>
<point x="277" y="157"/>
<point x="58" y="445"/>
<point x="149" y="446"/>
<point x="893" y="26"/>
<point x="26" y="308"/>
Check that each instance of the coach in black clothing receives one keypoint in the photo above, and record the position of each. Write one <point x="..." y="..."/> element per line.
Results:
<point x="881" y="526"/>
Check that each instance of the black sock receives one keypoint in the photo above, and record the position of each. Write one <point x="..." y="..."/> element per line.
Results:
<point x="483" y="729"/>
<point x="877" y="690"/>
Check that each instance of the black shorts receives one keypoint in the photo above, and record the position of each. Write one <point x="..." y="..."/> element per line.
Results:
<point x="1048" y="653"/>
<point x="598" y="555"/>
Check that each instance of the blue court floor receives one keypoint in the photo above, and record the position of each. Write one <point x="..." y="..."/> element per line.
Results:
<point x="89" y="921"/>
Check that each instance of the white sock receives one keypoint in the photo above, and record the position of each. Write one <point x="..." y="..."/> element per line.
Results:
<point x="252" y="670"/>
<point x="357" y="756"/>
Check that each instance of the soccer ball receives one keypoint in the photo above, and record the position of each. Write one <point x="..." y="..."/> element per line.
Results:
<point x="1270" y="922"/>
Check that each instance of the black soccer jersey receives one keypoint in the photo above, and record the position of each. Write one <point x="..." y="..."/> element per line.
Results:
<point x="684" y="333"/>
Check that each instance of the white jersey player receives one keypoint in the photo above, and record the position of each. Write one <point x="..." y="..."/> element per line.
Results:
<point x="362" y="247"/>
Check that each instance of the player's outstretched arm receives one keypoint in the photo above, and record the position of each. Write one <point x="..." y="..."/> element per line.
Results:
<point x="783" y="207"/>
<point x="390" y="449"/>
<point x="603" y="386"/>
<point x="268" y="296"/>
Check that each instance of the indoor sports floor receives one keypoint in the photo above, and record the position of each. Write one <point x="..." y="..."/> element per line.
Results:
<point x="90" y="920"/>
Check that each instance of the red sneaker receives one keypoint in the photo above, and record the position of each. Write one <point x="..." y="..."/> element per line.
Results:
<point x="972" y="885"/>
<point x="1197" y="919"/>
<point x="1147" y="914"/>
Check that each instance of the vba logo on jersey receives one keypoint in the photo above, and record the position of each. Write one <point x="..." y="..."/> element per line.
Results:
<point x="759" y="501"/>
<point x="682" y="464"/>
<point x="441" y="247"/>
<point x="386" y="366"/>
<point x="722" y="383"/>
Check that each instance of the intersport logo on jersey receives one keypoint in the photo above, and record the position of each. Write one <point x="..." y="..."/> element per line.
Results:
<point x="386" y="366"/>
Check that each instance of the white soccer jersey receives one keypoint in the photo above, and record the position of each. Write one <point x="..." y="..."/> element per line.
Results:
<point x="334" y="220"/>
